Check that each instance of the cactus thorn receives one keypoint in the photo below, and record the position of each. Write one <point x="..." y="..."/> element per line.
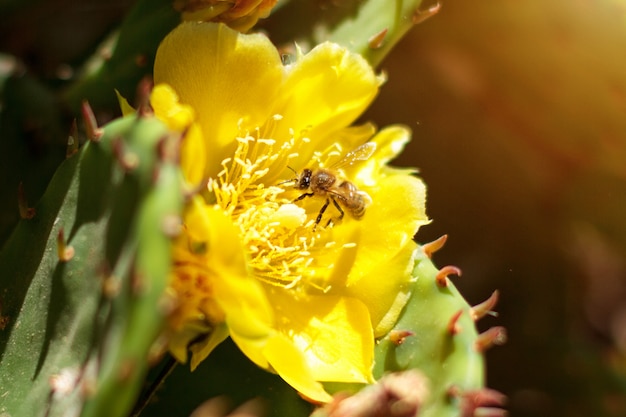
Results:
<point x="434" y="246"/>
<point x="26" y="212"/>
<point x="475" y="403"/>
<point x="127" y="160"/>
<point x="94" y="133"/>
<point x="72" y="141"/>
<point x="453" y="325"/>
<point x="420" y="15"/>
<point x="144" y="89"/>
<point x="493" y="336"/>
<point x="376" y="40"/>
<point x="486" y="307"/>
<point x="168" y="148"/>
<point x="442" y="276"/>
<point x="64" y="251"/>
<point x="396" y="394"/>
<point x="397" y="337"/>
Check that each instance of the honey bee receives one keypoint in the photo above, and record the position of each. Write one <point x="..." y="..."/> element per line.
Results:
<point x="326" y="182"/>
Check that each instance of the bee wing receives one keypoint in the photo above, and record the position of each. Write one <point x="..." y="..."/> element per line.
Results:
<point x="361" y="153"/>
<point x="366" y="198"/>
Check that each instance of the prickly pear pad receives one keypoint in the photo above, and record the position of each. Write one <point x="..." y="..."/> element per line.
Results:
<point x="83" y="281"/>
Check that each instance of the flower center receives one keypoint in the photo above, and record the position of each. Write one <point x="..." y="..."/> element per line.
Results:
<point x="280" y="240"/>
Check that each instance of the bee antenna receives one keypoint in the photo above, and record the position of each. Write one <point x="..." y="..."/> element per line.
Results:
<point x="293" y="180"/>
<point x="285" y="182"/>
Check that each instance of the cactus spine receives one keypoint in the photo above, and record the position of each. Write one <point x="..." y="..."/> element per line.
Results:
<point x="83" y="279"/>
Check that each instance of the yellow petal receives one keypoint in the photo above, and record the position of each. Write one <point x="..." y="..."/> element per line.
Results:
<point x="398" y="206"/>
<point x="380" y="270"/>
<point x="326" y="90"/>
<point x="241" y="297"/>
<point x="384" y="259"/>
<point x="181" y="118"/>
<point x="193" y="155"/>
<point x="180" y="340"/>
<point x="384" y="288"/>
<point x="393" y="218"/>
<point x="200" y="351"/>
<point x="253" y="348"/>
<point x="334" y="333"/>
<point x="288" y="362"/>
<point x="167" y="107"/>
<point x="124" y="106"/>
<point x="389" y="143"/>
<point x="231" y="81"/>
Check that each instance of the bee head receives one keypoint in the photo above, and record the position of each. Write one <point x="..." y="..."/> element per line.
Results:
<point x="300" y="181"/>
<point x="304" y="180"/>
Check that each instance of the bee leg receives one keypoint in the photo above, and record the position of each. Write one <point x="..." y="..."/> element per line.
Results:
<point x="303" y="196"/>
<point x="330" y="221"/>
<point x="321" y="213"/>
<point x="338" y="208"/>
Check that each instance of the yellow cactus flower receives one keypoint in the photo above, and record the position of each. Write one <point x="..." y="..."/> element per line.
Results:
<point x="240" y="15"/>
<point x="303" y="292"/>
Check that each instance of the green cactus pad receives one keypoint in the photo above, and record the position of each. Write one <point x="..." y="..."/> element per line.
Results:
<point x="368" y="27"/>
<point x="436" y="336"/>
<point x="442" y="348"/>
<point x="79" y="322"/>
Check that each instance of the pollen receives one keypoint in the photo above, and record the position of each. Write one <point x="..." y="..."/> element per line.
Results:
<point x="289" y="216"/>
<point x="276" y="233"/>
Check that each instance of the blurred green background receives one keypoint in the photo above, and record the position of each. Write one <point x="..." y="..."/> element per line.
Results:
<point x="519" y="118"/>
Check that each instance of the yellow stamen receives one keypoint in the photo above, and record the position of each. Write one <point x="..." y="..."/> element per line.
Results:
<point x="277" y="235"/>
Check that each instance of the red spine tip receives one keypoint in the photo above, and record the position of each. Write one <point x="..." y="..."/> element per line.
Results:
<point x="94" y="133"/>
<point x="486" y="307"/>
<point x="376" y="40"/>
<point x="494" y="336"/>
<point x="453" y="325"/>
<point x="442" y="276"/>
<point x="483" y="402"/>
<point x="65" y="252"/>
<point x="144" y="89"/>
<point x="434" y="246"/>
<point x="398" y="336"/>
<point x="420" y="15"/>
